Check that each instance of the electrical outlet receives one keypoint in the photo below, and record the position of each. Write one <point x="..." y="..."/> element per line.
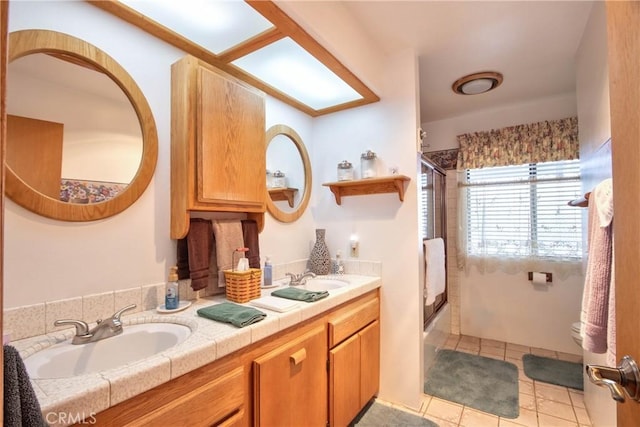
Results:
<point x="354" y="249"/>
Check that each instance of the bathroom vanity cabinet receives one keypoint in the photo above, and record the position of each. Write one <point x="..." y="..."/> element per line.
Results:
<point x="187" y="400"/>
<point x="218" y="157"/>
<point x="322" y="370"/>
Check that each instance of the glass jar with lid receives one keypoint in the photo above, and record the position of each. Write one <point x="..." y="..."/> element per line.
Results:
<point x="345" y="171"/>
<point x="269" y="179"/>
<point x="368" y="164"/>
<point x="278" y="179"/>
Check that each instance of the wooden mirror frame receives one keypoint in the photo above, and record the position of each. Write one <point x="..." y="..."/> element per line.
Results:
<point x="25" y="42"/>
<point x="276" y="212"/>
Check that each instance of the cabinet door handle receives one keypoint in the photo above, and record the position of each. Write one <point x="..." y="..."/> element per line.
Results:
<point x="297" y="357"/>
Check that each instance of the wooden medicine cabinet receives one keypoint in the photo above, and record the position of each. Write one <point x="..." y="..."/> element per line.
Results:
<point x="217" y="145"/>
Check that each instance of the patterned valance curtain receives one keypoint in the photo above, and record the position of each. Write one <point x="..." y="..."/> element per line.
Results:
<point x="517" y="145"/>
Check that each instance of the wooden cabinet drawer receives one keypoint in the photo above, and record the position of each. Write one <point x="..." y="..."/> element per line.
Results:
<point x="343" y="325"/>
<point x="215" y="403"/>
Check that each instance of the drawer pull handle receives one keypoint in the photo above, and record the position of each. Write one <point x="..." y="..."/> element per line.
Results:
<point x="297" y="357"/>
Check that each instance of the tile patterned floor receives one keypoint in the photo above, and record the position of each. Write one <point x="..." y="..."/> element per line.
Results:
<point x="541" y="404"/>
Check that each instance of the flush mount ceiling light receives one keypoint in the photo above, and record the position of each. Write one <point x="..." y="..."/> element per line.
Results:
<point x="477" y="83"/>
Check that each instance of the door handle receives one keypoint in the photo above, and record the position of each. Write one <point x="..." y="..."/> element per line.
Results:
<point x="625" y="377"/>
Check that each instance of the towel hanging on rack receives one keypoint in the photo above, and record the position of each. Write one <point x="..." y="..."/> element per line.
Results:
<point x="434" y="269"/>
<point x="597" y="311"/>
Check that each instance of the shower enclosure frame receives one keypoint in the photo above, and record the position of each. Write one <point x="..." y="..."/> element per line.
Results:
<point x="433" y="199"/>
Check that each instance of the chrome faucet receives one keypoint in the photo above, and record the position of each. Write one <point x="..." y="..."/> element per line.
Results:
<point x="300" y="279"/>
<point x="104" y="328"/>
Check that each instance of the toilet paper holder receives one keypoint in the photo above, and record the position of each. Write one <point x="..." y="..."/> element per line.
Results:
<point x="549" y="276"/>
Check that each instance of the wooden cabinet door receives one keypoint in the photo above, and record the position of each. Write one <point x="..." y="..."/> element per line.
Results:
<point x="354" y="374"/>
<point x="290" y="383"/>
<point x="369" y="362"/>
<point x="36" y="139"/>
<point x="344" y="382"/>
<point x="230" y="147"/>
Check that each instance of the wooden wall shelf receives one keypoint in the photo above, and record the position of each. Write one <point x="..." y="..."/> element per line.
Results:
<point x="283" y="193"/>
<point x="387" y="184"/>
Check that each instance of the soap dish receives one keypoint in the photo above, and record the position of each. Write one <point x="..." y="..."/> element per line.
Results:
<point x="182" y="305"/>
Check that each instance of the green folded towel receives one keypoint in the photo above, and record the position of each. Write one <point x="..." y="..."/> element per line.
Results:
<point x="228" y="312"/>
<point x="300" y="294"/>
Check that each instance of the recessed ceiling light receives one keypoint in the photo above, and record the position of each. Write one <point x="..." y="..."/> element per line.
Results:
<point x="477" y="83"/>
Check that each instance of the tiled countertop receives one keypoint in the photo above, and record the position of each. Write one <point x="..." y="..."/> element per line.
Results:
<point x="86" y="395"/>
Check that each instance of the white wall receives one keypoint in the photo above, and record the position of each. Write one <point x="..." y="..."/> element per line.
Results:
<point x="283" y="242"/>
<point x="500" y="306"/>
<point x="592" y="87"/>
<point x="47" y="260"/>
<point x="386" y="229"/>
<point x="441" y="134"/>
<point x="507" y="307"/>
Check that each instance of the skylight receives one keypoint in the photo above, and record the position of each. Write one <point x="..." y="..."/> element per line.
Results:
<point x="214" y="25"/>
<point x="255" y="41"/>
<point x="292" y="70"/>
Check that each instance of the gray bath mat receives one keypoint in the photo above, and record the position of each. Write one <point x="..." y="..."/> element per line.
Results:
<point x="553" y="371"/>
<point x="482" y="383"/>
<point x="377" y="415"/>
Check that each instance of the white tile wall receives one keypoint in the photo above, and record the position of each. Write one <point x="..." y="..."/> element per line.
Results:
<point x="24" y="322"/>
<point x="453" y="286"/>
<point x="33" y="320"/>
<point x="97" y="306"/>
<point x="62" y="309"/>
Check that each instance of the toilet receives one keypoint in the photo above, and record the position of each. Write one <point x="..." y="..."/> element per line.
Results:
<point x="575" y="333"/>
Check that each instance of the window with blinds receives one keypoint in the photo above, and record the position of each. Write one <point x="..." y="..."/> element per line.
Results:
<point x="427" y="203"/>
<point x="521" y="211"/>
<point x="432" y="189"/>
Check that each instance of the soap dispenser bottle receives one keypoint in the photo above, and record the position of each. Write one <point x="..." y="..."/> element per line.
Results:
<point x="339" y="263"/>
<point x="267" y="273"/>
<point x="172" y="296"/>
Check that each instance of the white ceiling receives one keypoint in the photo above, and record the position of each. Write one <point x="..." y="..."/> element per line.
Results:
<point x="532" y="43"/>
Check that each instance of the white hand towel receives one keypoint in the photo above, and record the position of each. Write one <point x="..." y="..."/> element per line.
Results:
<point x="434" y="269"/>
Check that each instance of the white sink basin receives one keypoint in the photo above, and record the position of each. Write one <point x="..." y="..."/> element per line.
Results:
<point x="323" y="284"/>
<point x="135" y="343"/>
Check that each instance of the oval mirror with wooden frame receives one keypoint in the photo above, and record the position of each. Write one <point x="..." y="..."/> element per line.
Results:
<point x="51" y="203"/>
<point x="294" y="200"/>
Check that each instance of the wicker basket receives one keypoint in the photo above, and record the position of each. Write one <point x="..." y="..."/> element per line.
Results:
<point x="243" y="286"/>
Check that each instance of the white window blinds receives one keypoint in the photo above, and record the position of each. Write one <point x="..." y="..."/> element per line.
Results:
<point x="522" y="212"/>
<point x="426" y="204"/>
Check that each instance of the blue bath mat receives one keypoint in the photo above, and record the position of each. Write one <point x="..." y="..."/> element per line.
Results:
<point x="378" y="415"/>
<point x="482" y="383"/>
<point x="553" y="371"/>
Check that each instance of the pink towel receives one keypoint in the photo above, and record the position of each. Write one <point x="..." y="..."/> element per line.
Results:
<point x="595" y="300"/>
<point x="611" y="326"/>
